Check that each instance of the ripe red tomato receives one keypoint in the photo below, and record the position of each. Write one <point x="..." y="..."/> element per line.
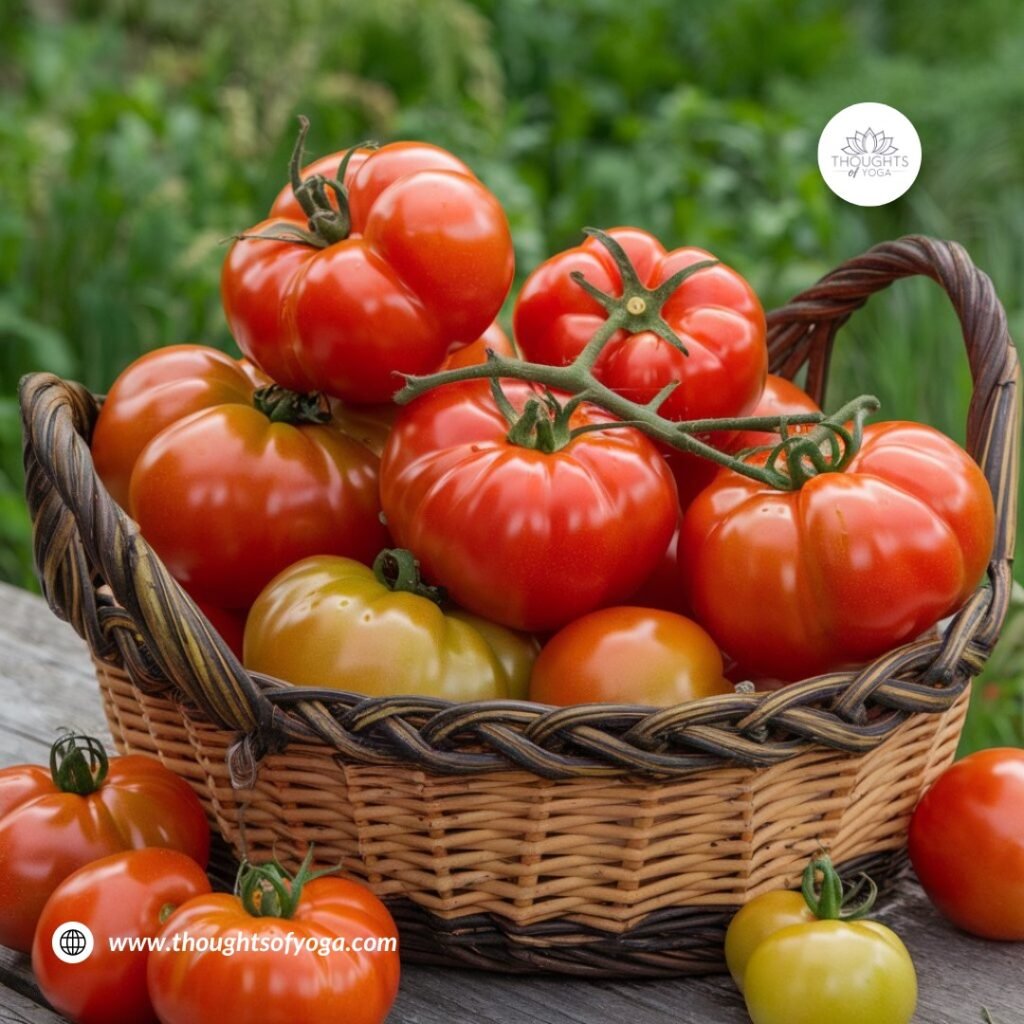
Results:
<point x="282" y="968"/>
<point x="967" y="843"/>
<point x="715" y="314"/>
<point x="663" y="588"/>
<point x="228" y="497"/>
<point x="494" y="338"/>
<point x="159" y="389"/>
<point x="526" y="537"/>
<point x="794" y="583"/>
<point x="54" y="822"/>
<point x="424" y="261"/>
<point x="127" y="895"/>
<point x="627" y="655"/>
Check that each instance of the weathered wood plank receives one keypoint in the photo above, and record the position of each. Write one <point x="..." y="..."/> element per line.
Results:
<point x="46" y="681"/>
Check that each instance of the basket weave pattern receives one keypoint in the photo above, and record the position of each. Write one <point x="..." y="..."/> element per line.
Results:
<point x="597" y="839"/>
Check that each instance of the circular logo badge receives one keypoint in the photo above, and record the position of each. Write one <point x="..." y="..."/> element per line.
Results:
<point x="869" y="154"/>
<point x="72" y="942"/>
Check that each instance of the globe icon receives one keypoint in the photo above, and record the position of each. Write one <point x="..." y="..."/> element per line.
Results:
<point x="73" y="942"/>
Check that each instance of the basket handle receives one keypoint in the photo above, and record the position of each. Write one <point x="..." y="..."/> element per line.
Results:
<point x="805" y="329"/>
<point x="79" y="531"/>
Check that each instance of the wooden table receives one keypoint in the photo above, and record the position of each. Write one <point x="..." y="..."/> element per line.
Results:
<point x="46" y="682"/>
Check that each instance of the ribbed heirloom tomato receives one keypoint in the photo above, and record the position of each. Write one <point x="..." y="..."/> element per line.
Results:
<point x="519" y="507"/>
<point x="406" y="254"/>
<point x="796" y="582"/>
<point x="85" y="807"/>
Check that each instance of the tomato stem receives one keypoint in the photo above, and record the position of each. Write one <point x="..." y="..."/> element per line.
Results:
<point x="268" y="890"/>
<point x="280" y="405"/>
<point x="78" y="764"/>
<point x="787" y="466"/>
<point x="399" y="570"/>
<point x="832" y="901"/>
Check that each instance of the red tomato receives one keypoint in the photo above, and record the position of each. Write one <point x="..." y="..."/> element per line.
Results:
<point x="715" y="314"/>
<point x="291" y="974"/>
<point x="494" y="338"/>
<point x="426" y="261"/>
<point x="159" y="389"/>
<point x="228" y="498"/>
<point x="124" y="896"/>
<point x="54" y="822"/>
<point x="627" y="655"/>
<point x="526" y="537"/>
<point x="779" y="396"/>
<point x="663" y="588"/>
<point x="794" y="583"/>
<point x="967" y="843"/>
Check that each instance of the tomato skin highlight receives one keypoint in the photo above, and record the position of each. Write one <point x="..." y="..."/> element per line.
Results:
<point x="228" y="499"/>
<point x="427" y="265"/>
<point x="839" y="972"/>
<point x="46" y="834"/>
<point x="850" y="565"/>
<point x="329" y="622"/>
<point x="526" y="538"/>
<point x="967" y="843"/>
<point x="196" y="987"/>
<point x="628" y="655"/>
<point x="124" y="895"/>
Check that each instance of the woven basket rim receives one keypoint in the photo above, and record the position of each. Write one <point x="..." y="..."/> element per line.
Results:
<point x="98" y="572"/>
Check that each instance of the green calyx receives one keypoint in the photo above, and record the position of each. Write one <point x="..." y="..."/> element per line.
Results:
<point x="399" y="570"/>
<point x="268" y="890"/>
<point x="787" y="466"/>
<point x="78" y="764"/>
<point x="830" y="900"/>
<point x="280" y="405"/>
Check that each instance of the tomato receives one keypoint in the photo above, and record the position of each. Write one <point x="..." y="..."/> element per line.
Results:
<point x="529" y="525"/>
<point x="230" y="496"/>
<point x="714" y="313"/>
<point x="494" y="338"/>
<point x="282" y="967"/>
<point x="335" y="622"/>
<point x="418" y="258"/>
<point x="124" y="896"/>
<point x="516" y="652"/>
<point x="842" y="973"/>
<point x="155" y="391"/>
<point x="86" y="807"/>
<point x="780" y="396"/>
<point x="804" y="959"/>
<point x="794" y="583"/>
<point x="663" y="589"/>
<point x="967" y="843"/>
<point x="628" y="655"/>
<point x="755" y="921"/>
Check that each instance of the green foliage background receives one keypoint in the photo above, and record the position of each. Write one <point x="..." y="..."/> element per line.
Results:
<point x="135" y="135"/>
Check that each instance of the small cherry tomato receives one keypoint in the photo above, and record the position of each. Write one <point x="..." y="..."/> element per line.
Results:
<point x="967" y="843"/>
<point x="627" y="655"/>
<point x="124" y="896"/>
<point x="84" y="808"/>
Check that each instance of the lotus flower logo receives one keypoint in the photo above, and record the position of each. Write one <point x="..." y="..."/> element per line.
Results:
<point x="869" y="143"/>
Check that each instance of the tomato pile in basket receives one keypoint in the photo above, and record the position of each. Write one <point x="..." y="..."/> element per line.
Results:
<point x="383" y="497"/>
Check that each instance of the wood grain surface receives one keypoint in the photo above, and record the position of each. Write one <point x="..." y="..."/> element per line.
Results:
<point x="46" y="682"/>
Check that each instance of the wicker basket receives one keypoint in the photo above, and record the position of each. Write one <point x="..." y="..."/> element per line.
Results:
<point x="594" y="840"/>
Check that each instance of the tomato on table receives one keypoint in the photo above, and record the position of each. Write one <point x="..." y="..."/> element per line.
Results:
<point x="309" y="980"/>
<point x="792" y="583"/>
<point x="627" y="655"/>
<point x="967" y="843"/>
<point x="127" y="895"/>
<point x="85" y="807"/>
<point x="355" y="280"/>
<point x="520" y="507"/>
<point x="337" y="623"/>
